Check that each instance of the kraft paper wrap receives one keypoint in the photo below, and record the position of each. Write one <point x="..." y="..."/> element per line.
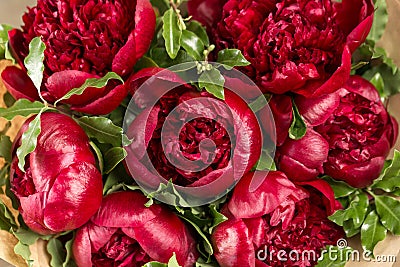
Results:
<point x="390" y="246"/>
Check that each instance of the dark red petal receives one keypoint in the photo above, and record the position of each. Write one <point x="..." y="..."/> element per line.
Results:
<point x="61" y="143"/>
<point x="248" y="135"/>
<point x="81" y="247"/>
<point x="207" y="12"/>
<point x="125" y="59"/>
<point x="281" y="108"/>
<point x="333" y="83"/>
<point x="145" y="24"/>
<point x="19" y="84"/>
<point x="125" y="209"/>
<point x="324" y="187"/>
<point x="357" y="175"/>
<point x="18" y="50"/>
<point x="60" y="83"/>
<point x="31" y="209"/>
<point x="105" y="104"/>
<point x="317" y="110"/>
<point x="273" y="191"/>
<point x="359" y="85"/>
<point x="73" y="198"/>
<point x="233" y="245"/>
<point x="302" y="159"/>
<point x="168" y="232"/>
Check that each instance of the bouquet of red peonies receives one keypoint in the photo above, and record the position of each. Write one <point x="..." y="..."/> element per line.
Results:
<point x="199" y="133"/>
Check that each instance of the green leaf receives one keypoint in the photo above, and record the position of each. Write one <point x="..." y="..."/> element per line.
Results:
<point x="34" y="61"/>
<point x="389" y="179"/>
<point x="340" y="188"/>
<point x="69" y="262"/>
<point x="99" y="156"/>
<point x="168" y="194"/>
<point x="102" y="129"/>
<point x="390" y="78"/>
<point x="357" y="209"/>
<point x="334" y="257"/>
<point x="372" y="231"/>
<point x="380" y="53"/>
<point x="388" y="210"/>
<point x="23" y="107"/>
<point x="29" y="140"/>
<point x="5" y="148"/>
<point x="193" y="45"/>
<point x="8" y="99"/>
<point x="7" y="54"/>
<point x="4" y="171"/>
<point x="4" y="28"/>
<point x="92" y="82"/>
<point x="266" y="162"/>
<point x="232" y="58"/>
<point x="26" y="237"/>
<point x="195" y="27"/>
<point x="172" y="33"/>
<point x="57" y="252"/>
<point x="259" y="103"/>
<point x="206" y="241"/>
<point x="380" y="21"/>
<point x="113" y="157"/>
<point x="218" y="218"/>
<point x="349" y="229"/>
<point x="145" y="62"/>
<point x="338" y="217"/>
<point x="24" y="251"/>
<point x="7" y="221"/>
<point x="160" y="5"/>
<point x="298" y="128"/>
<point x="161" y="57"/>
<point x="173" y="262"/>
<point x="213" y="81"/>
<point x="378" y="82"/>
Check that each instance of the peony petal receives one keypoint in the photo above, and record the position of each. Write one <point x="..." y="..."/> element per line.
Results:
<point x="281" y="108"/>
<point x="61" y="143"/>
<point x="309" y="152"/>
<point x="105" y="104"/>
<point x="145" y="21"/>
<point x="207" y="12"/>
<point x="357" y="175"/>
<point x="70" y="203"/>
<point x="81" y="247"/>
<point x="168" y="232"/>
<point x="125" y="209"/>
<point x="317" y="110"/>
<point x="359" y="85"/>
<point x="125" y="59"/>
<point x="233" y="245"/>
<point x="18" y="50"/>
<point x="274" y="190"/>
<point x="324" y="187"/>
<point x="60" y="83"/>
<point x="19" y="84"/>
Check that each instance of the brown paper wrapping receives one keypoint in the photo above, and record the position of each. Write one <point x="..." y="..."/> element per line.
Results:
<point x="390" y="246"/>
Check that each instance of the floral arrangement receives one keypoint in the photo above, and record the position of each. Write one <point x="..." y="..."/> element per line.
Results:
<point x="198" y="133"/>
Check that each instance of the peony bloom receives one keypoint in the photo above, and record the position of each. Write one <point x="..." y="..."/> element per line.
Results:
<point x="298" y="46"/>
<point x="124" y="232"/>
<point x="84" y="39"/>
<point x="278" y="217"/>
<point x="191" y="137"/>
<point x="303" y="159"/>
<point x="358" y="129"/>
<point x="61" y="188"/>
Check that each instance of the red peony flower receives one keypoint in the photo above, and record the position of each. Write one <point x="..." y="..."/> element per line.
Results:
<point x="276" y="218"/>
<point x="190" y="137"/>
<point x="293" y="46"/>
<point x="124" y="232"/>
<point x="84" y="39"/>
<point x="358" y="129"/>
<point x="61" y="188"/>
<point x="303" y="159"/>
